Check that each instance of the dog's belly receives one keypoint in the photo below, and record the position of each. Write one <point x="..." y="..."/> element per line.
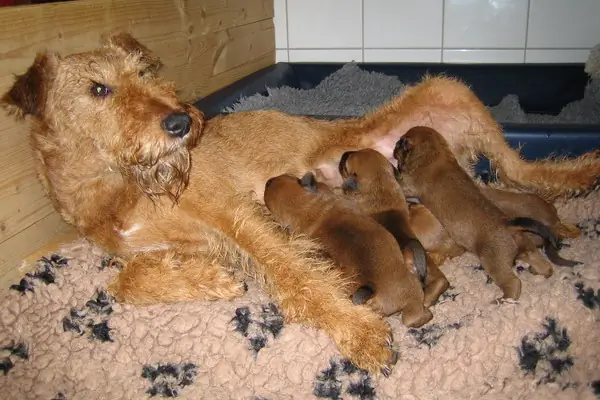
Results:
<point x="329" y="172"/>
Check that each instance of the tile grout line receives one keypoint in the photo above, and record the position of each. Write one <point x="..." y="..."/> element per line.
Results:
<point x="362" y="44"/>
<point x="287" y="31"/>
<point x="443" y="27"/>
<point x="526" y="31"/>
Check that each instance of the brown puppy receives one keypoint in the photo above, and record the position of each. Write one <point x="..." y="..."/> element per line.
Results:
<point x="440" y="246"/>
<point x="365" y="251"/>
<point x="370" y="180"/>
<point x="432" y="235"/>
<point x="428" y="167"/>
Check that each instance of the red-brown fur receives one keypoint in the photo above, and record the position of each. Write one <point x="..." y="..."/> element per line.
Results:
<point x="370" y="180"/>
<point x="180" y="211"/>
<point x="364" y="250"/>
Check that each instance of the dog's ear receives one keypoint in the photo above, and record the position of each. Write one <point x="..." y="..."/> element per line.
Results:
<point x="129" y="44"/>
<point x="309" y="182"/>
<point x="29" y="91"/>
<point x="350" y="184"/>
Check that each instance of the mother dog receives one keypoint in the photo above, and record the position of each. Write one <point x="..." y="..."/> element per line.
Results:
<point x="143" y="175"/>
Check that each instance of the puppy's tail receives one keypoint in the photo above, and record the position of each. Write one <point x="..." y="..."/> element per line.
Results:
<point x="551" y="242"/>
<point x="362" y="295"/>
<point x="534" y="226"/>
<point x="419" y="259"/>
<point x="555" y="258"/>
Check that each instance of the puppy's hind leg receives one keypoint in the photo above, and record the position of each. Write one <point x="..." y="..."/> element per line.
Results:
<point x="436" y="284"/>
<point x="497" y="261"/>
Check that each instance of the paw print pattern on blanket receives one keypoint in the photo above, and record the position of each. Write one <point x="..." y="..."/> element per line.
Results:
<point x="590" y="228"/>
<point x="9" y="354"/>
<point x="167" y="379"/>
<point x="546" y="354"/>
<point x="92" y="318"/>
<point x="430" y="334"/>
<point x="257" y="331"/>
<point x="44" y="272"/>
<point x="330" y="382"/>
<point x="588" y="297"/>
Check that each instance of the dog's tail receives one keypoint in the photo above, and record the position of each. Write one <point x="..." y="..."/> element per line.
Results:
<point x="569" y="231"/>
<point x="534" y="226"/>
<point x="551" y="242"/>
<point x="555" y="258"/>
<point x="362" y="295"/>
<point x="419" y="259"/>
<point x="550" y="178"/>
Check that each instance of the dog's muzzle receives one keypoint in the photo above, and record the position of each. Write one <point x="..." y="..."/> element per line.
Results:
<point x="177" y="124"/>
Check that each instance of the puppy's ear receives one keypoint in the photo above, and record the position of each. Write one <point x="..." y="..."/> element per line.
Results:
<point x="309" y="182"/>
<point x="28" y="93"/>
<point x="129" y="44"/>
<point x="350" y="184"/>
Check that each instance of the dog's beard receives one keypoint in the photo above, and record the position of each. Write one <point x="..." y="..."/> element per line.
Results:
<point x="167" y="175"/>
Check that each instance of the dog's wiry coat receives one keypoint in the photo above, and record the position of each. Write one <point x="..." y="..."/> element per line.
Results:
<point x="180" y="209"/>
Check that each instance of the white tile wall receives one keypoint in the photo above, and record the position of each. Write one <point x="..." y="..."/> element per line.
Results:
<point x="450" y="31"/>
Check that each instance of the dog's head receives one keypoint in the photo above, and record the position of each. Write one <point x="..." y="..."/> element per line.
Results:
<point x="420" y="147"/>
<point x="110" y="105"/>
<point x="289" y="198"/>
<point x="365" y="170"/>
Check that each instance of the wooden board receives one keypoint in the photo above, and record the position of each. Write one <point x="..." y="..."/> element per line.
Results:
<point x="204" y="45"/>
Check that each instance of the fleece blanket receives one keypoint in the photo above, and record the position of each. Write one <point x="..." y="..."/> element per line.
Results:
<point x="63" y="337"/>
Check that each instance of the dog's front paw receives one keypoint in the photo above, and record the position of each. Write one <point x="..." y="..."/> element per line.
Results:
<point x="366" y="339"/>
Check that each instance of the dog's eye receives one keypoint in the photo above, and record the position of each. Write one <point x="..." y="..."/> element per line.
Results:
<point x="99" y="90"/>
<point x="144" y="73"/>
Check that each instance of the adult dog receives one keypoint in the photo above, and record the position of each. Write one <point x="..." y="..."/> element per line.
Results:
<point x="143" y="175"/>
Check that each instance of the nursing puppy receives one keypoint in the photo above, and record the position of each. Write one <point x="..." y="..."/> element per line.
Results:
<point x="429" y="169"/>
<point x="440" y="246"/>
<point x="365" y="251"/>
<point x="370" y="180"/>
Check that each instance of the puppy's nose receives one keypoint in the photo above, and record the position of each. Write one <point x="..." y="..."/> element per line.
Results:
<point x="401" y="144"/>
<point x="268" y="183"/>
<point x="177" y="124"/>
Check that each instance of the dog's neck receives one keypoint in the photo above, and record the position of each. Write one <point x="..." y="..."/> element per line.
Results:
<point x="89" y="192"/>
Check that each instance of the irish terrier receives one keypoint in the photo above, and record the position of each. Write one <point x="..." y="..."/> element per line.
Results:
<point x="145" y="176"/>
<point x="428" y="167"/>
<point x="370" y="180"/>
<point x="363" y="249"/>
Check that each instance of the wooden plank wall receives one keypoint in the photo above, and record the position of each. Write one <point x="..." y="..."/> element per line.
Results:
<point x="204" y="45"/>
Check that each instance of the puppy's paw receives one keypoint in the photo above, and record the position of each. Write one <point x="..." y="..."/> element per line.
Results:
<point x="365" y="338"/>
<point x="417" y="319"/>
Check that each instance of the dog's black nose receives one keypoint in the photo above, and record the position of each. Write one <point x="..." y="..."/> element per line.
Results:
<point x="177" y="124"/>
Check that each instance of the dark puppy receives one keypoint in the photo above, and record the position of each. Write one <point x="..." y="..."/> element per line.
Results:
<point x="370" y="180"/>
<point x="429" y="168"/>
<point x="365" y="251"/>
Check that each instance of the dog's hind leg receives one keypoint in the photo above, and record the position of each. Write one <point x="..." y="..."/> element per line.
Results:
<point x="163" y="277"/>
<point x="306" y="286"/>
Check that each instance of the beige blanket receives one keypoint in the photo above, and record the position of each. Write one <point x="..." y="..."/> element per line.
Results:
<point x="63" y="337"/>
